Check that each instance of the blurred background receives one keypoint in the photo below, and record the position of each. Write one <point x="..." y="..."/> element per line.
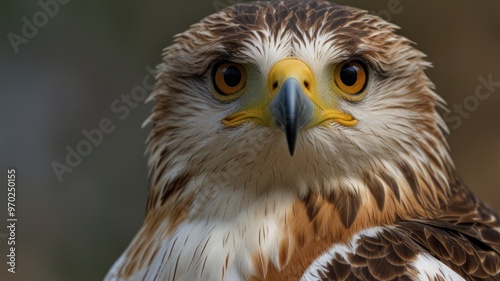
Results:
<point x="69" y="70"/>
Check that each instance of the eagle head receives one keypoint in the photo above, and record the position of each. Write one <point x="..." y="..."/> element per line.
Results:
<point x="294" y="95"/>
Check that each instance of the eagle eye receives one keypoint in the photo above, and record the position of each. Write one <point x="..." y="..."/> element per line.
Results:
<point x="350" y="77"/>
<point x="229" y="78"/>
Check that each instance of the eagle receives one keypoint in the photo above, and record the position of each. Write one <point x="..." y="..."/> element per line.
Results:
<point x="301" y="140"/>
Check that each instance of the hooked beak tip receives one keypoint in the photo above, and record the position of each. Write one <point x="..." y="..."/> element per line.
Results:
<point x="291" y="145"/>
<point x="291" y="111"/>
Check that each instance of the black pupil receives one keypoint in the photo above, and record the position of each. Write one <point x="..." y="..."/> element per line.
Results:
<point x="232" y="76"/>
<point x="349" y="74"/>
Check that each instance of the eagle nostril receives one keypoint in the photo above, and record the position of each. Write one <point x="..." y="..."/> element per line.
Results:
<point x="306" y="84"/>
<point x="275" y="85"/>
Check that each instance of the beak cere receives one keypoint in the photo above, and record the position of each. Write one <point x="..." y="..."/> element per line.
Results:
<point x="291" y="110"/>
<point x="292" y="83"/>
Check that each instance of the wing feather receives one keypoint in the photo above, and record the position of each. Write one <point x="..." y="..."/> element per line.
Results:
<point x="410" y="250"/>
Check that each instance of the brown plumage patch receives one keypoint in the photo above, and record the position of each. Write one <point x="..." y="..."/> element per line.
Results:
<point x="174" y="186"/>
<point x="463" y="237"/>
<point x="410" y="177"/>
<point x="391" y="183"/>
<point x="388" y="256"/>
<point x="284" y="253"/>
<point x="376" y="189"/>
<point x="384" y="257"/>
<point x="316" y="223"/>
<point x="467" y="241"/>
<point x="347" y="204"/>
<point x="465" y="254"/>
<point x="261" y="267"/>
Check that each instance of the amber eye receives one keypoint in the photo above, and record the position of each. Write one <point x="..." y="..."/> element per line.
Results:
<point x="229" y="78"/>
<point x="350" y="77"/>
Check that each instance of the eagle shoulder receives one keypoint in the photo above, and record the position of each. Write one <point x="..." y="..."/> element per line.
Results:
<point x="412" y="250"/>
